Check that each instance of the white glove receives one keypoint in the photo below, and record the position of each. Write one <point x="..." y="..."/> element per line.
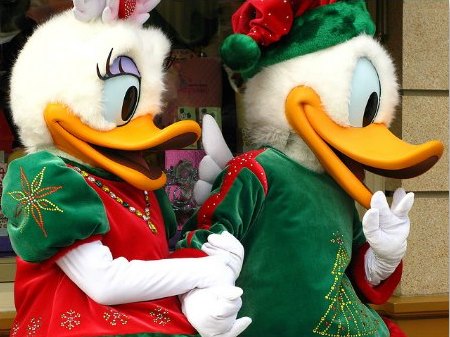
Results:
<point x="111" y="281"/>
<point x="217" y="156"/>
<point x="225" y="244"/>
<point x="386" y="230"/>
<point x="213" y="311"/>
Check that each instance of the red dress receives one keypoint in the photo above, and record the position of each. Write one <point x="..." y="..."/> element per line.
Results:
<point x="48" y="303"/>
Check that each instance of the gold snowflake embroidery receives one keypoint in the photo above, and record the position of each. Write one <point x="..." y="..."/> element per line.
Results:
<point x="114" y="317"/>
<point x="160" y="316"/>
<point x="34" y="326"/>
<point x="70" y="319"/>
<point x="32" y="199"/>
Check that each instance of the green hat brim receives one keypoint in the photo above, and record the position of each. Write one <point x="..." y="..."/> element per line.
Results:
<point x="316" y="29"/>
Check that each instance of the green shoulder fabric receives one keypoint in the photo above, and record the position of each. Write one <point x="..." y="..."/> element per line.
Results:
<point x="168" y="214"/>
<point x="233" y="206"/>
<point x="49" y="206"/>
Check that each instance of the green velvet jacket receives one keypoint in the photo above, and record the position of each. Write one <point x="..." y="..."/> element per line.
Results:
<point x="299" y="230"/>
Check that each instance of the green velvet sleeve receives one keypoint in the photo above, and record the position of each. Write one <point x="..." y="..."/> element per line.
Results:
<point x="49" y="206"/>
<point x="233" y="206"/>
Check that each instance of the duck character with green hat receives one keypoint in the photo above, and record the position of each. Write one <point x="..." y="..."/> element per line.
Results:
<point x="320" y="94"/>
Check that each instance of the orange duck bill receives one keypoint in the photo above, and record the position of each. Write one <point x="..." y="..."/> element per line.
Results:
<point x="119" y="150"/>
<point x="345" y="152"/>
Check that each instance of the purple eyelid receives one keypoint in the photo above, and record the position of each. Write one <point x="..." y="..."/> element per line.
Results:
<point x="123" y="64"/>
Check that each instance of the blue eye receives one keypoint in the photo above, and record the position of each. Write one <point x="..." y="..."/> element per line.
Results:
<point x="365" y="94"/>
<point x="121" y="89"/>
<point x="120" y="98"/>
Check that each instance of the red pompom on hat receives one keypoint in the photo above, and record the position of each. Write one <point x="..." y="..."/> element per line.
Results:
<point x="267" y="32"/>
<point x="266" y="21"/>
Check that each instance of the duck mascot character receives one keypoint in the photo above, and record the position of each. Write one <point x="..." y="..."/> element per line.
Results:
<point x="319" y="95"/>
<point x="88" y="218"/>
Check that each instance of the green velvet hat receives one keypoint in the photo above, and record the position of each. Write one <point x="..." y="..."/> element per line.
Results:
<point x="271" y="31"/>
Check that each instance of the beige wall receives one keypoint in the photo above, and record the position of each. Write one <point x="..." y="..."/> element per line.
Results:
<point x="424" y="82"/>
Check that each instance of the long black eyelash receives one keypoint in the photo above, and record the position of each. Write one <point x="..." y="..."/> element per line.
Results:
<point x="168" y="61"/>
<point x="100" y="75"/>
<point x="108" y="72"/>
<point x="108" y="61"/>
<point x="120" y="66"/>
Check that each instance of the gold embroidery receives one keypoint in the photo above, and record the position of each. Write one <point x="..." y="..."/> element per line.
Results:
<point x="15" y="329"/>
<point x="34" y="326"/>
<point x="345" y="315"/>
<point x="160" y="316"/>
<point x="32" y="199"/>
<point x="70" y="319"/>
<point x="114" y="317"/>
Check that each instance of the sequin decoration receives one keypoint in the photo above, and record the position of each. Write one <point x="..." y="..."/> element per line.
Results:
<point x="70" y="319"/>
<point x="113" y="317"/>
<point x="14" y="329"/>
<point x="126" y="8"/>
<point x="144" y="215"/>
<point x="346" y="315"/>
<point x="160" y="316"/>
<point x="235" y="166"/>
<point x="34" y="326"/>
<point x="32" y="199"/>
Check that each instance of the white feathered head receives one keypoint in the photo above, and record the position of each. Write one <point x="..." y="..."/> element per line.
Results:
<point x="322" y="90"/>
<point x="91" y="88"/>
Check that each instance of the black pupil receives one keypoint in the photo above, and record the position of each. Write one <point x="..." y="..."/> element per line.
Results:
<point x="371" y="109"/>
<point x="129" y="103"/>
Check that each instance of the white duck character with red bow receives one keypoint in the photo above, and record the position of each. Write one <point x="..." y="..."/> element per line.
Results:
<point x="88" y="217"/>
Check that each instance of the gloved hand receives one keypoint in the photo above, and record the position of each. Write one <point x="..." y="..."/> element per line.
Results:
<point x="225" y="244"/>
<point x="217" y="156"/>
<point x="213" y="311"/>
<point x="386" y="230"/>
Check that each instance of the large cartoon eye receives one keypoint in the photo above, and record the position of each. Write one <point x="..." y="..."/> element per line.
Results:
<point x="121" y="90"/>
<point x="365" y="94"/>
<point x="120" y="98"/>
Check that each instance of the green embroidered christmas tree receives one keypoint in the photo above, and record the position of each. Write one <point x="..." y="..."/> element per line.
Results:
<point x="345" y="315"/>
